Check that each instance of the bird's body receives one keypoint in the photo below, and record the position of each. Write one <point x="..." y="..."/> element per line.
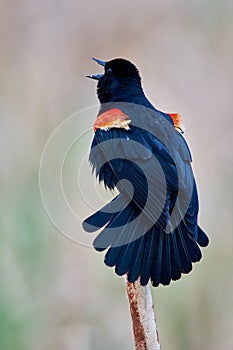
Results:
<point x="151" y="226"/>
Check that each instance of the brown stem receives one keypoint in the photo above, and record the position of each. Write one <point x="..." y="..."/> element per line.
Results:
<point x="143" y="316"/>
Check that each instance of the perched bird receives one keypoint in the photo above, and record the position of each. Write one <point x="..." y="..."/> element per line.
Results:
<point x="150" y="227"/>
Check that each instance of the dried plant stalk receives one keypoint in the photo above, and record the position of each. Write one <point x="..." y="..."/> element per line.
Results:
<point x="143" y="316"/>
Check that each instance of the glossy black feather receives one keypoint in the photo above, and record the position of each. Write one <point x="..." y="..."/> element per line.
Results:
<point x="151" y="228"/>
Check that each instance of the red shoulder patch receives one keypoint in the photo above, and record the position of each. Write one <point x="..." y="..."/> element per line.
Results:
<point x="177" y="122"/>
<point x="113" y="118"/>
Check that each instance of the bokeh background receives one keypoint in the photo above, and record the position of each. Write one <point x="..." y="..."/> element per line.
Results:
<point x="56" y="294"/>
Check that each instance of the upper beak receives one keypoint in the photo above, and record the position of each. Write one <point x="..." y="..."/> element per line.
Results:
<point x="97" y="76"/>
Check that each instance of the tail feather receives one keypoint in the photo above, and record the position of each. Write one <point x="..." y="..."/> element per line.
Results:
<point x="156" y="255"/>
<point x="166" y="261"/>
<point x="186" y="263"/>
<point x="193" y="249"/>
<point x="147" y="257"/>
<point x="128" y="251"/>
<point x="175" y="259"/>
<point x="124" y="260"/>
<point x="202" y="238"/>
<point x="136" y="261"/>
<point x="104" y="215"/>
<point x="121" y="240"/>
<point x="115" y="230"/>
<point x="157" y="259"/>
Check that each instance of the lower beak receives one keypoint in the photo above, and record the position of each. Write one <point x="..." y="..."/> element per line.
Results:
<point x="95" y="76"/>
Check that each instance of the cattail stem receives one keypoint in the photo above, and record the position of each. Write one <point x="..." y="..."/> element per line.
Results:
<point x="143" y="316"/>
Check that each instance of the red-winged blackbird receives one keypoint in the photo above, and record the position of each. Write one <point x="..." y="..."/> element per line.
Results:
<point x="150" y="228"/>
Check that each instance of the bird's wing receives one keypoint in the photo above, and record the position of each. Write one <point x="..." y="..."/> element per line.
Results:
<point x="154" y="159"/>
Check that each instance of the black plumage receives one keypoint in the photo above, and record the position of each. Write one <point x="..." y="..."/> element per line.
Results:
<point x="150" y="228"/>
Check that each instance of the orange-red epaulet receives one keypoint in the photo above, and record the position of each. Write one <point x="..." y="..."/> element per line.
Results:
<point x="113" y="118"/>
<point x="177" y="122"/>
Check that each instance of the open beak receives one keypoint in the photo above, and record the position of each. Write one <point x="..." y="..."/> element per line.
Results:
<point x="97" y="76"/>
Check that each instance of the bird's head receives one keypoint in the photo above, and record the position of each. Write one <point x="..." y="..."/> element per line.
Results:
<point x="119" y="78"/>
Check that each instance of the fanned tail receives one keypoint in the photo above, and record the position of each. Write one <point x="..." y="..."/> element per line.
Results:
<point x="154" y="255"/>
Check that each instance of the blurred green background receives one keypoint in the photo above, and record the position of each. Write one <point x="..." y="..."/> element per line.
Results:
<point x="55" y="294"/>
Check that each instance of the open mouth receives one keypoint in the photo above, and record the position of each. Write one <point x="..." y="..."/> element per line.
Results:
<point x="97" y="76"/>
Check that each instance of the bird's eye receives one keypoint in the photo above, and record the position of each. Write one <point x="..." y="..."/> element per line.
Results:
<point x="109" y="71"/>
